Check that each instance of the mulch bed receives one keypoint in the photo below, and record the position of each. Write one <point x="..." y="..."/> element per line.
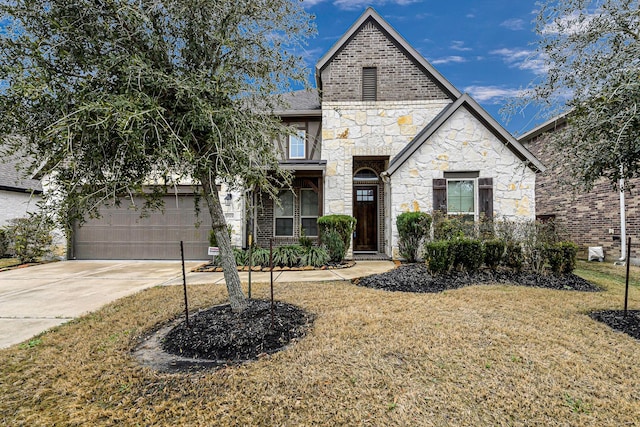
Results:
<point x="416" y="278"/>
<point x="616" y="320"/>
<point x="213" y="268"/>
<point x="221" y="337"/>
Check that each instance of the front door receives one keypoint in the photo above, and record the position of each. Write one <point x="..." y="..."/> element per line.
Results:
<point x="365" y="210"/>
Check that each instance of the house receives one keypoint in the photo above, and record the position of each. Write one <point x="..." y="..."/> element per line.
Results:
<point x="384" y="133"/>
<point x="589" y="218"/>
<point x="18" y="195"/>
<point x="389" y="134"/>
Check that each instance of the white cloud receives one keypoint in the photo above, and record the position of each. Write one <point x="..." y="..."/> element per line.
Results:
<point x="359" y="4"/>
<point x="574" y="23"/>
<point x="514" y="24"/>
<point x="459" y="46"/>
<point x="449" y="59"/>
<point x="522" y="59"/>
<point x="492" y="94"/>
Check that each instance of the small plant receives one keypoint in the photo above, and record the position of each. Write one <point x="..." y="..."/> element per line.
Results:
<point x="413" y="227"/>
<point x="577" y="405"/>
<point x="562" y="257"/>
<point x="31" y="343"/>
<point x="4" y="243"/>
<point x="335" y="246"/>
<point x="260" y="257"/>
<point x="493" y="253"/>
<point x="569" y="251"/>
<point x="343" y="226"/>
<point x="241" y="256"/>
<point x="304" y="241"/>
<point x="467" y="254"/>
<point x="30" y="238"/>
<point x="513" y="256"/>
<point x="315" y="256"/>
<point x="287" y="256"/>
<point x="438" y="256"/>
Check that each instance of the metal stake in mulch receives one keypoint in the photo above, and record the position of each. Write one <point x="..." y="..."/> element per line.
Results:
<point x="271" y="273"/>
<point x="626" y="285"/>
<point x="184" y="286"/>
<point x="250" y="263"/>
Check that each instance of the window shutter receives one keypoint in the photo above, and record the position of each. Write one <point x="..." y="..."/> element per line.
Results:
<point x="369" y="83"/>
<point x="440" y="195"/>
<point x="485" y="197"/>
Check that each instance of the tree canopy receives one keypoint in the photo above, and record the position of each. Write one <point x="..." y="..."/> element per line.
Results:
<point x="117" y="97"/>
<point x="591" y="52"/>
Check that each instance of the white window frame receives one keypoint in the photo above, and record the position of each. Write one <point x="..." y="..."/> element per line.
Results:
<point x="309" y="216"/>
<point x="475" y="197"/>
<point x="292" y="216"/>
<point x="301" y="134"/>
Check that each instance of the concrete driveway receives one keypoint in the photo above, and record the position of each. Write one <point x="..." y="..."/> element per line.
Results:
<point x="37" y="298"/>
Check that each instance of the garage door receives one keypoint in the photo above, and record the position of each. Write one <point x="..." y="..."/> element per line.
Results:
<point x="121" y="234"/>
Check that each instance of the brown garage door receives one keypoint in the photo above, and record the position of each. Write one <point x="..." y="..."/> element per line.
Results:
<point x="121" y="234"/>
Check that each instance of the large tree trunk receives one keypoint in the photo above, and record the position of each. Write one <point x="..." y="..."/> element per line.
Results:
<point x="227" y="259"/>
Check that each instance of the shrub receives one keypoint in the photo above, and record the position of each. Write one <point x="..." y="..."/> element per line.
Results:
<point x="438" y="256"/>
<point x="513" y="257"/>
<point x="343" y="226"/>
<point x="315" y="256"/>
<point x="335" y="246"/>
<point x="212" y="236"/>
<point x="241" y="256"/>
<point x="30" y="238"/>
<point x="304" y="241"/>
<point x="260" y="257"/>
<point x="467" y="254"/>
<point x="413" y="227"/>
<point x="448" y="227"/>
<point x="287" y="256"/>
<point x="493" y="252"/>
<point x="4" y="243"/>
<point x="562" y="257"/>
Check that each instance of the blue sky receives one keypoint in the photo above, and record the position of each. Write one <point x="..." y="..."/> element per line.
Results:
<point x="482" y="47"/>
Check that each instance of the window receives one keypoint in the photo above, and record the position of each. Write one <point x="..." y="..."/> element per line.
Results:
<point x="460" y="197"/>
<point x="369" y="84"/>
<point x="298" y="145"/>
<point x="365" y="195"/>
<point x="309" y="212"/>
<point x="284" y="214"/>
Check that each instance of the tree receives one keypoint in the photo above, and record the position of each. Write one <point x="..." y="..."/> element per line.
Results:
<point x="591" y="50"/>
<point x="111" y="95"/>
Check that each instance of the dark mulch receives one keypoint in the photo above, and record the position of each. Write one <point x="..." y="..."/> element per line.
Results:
<point x="416" y="278"/>
<point x="616" y="320"/>
<point x="220" y="335"/>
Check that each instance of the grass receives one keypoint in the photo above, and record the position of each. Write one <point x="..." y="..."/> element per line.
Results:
<point x="9" y="262"/>
<point x="482" y="356"/>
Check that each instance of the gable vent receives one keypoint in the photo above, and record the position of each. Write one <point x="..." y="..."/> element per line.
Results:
<point x="369" y="83"/>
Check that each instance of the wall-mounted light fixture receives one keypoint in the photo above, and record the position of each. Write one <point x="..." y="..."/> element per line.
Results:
<point x="227" y="199"/>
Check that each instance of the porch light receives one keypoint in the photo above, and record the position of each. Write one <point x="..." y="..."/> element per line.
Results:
<point x="227" y="199"/>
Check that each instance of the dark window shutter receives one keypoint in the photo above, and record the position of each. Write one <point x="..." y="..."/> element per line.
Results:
<point x="485" y="197"/>
<point x="369" y="84"/>
<point x="440" y="195"/>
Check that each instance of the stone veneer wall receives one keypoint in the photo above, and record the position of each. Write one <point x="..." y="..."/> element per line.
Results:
<point x="399" y="78"/>
<point x="463" y="144"/>
<point x="587" y="217"/>
<point x="361" y="129"/>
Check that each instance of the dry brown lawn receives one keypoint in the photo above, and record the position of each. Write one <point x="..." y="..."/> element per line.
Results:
<point x="478" y="356"/>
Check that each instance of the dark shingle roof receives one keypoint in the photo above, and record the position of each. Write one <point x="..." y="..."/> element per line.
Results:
<point x="301" y="102"/>
<point x="12" y="178"/>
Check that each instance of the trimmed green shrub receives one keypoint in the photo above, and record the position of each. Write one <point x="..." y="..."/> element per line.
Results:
<point x="438" y="256"/>
<point x="260" y="257"/>
<point x="513" y="257"/>
<point x="493" y="252"/>
<point x="30" y="238"/>
<point x="467" y="254"/>
<point x="287" y="256"/>
<point x="335" y="246"/>
<point x="343" y="226"/>
<point x="413" y="227"/>
<point x="4" y="243"/>
<point x="315" y="256"/>
<point x="562" y="257"/>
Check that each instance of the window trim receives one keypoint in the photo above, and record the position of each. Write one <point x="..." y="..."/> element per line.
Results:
<point x="317" y="213"/>
<point x="292" y="216"/>
<point x="301" y="134"/>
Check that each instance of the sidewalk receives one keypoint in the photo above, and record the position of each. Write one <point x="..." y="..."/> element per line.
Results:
<point x="360" y="269"/>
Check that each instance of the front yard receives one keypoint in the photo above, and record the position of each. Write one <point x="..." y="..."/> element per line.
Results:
<point x="480" y="355"/>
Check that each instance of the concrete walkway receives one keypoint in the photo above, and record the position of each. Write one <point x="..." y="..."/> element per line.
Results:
<point x="37" y="298"/>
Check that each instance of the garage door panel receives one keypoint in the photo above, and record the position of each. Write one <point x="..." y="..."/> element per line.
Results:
<point x="122" y="234"/>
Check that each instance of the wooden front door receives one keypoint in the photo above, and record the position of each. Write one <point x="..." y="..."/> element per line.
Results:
<point x="365" y="210"/>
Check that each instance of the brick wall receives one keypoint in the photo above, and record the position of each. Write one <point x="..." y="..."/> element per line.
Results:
<point x="399" y="78"/>
<point x="586" y="216"/>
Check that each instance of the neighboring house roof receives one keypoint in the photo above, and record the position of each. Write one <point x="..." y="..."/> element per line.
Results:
<point x="371" y="14"/>
<point x="474" y="108"/>
<point x="551" y="124"/>
<point x="11" y="178"/>
<point x="301" y="103"/>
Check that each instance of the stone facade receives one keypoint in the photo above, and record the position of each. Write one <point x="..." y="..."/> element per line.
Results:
<point x="589" y="218"/>
<point x="399" y="78"/>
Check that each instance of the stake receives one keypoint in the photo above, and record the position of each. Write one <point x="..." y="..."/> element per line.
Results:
<point x="271" y="272"/>
<point x="184" y="286"/>
<point x="626" y="286"/>
<point x="250" y="265"/>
